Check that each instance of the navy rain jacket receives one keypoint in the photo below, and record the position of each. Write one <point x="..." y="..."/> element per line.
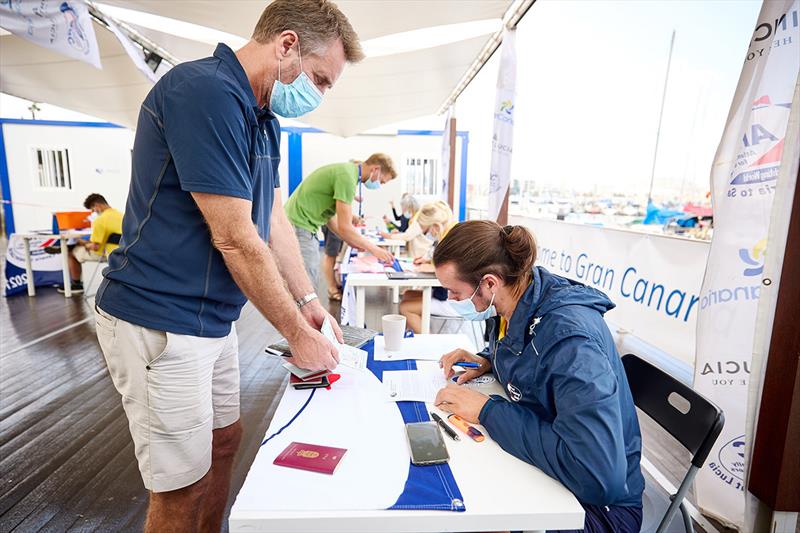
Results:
<point x="570" y="410"/>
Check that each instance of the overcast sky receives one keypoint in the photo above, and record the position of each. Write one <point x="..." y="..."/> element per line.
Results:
<point x="590" y="79"/>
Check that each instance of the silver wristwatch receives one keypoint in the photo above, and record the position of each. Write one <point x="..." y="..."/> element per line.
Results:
<point x="311" y="296"/>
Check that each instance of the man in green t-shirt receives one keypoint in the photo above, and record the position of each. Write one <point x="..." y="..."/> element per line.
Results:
<point x="325" y="197"/>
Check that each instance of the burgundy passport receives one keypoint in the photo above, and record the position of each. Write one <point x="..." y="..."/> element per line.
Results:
<point x="322" y="459"/>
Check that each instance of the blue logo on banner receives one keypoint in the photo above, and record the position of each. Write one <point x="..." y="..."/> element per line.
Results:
<point x="731" y="457"/>
<point x="754" y="258"/>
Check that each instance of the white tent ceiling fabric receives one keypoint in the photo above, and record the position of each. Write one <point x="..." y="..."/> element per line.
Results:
<point x="375" y="92"/>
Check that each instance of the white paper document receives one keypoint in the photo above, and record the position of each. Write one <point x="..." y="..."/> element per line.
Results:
<point x="348" y="355"/>
<point x="423" y="347"/>
<point x="413" y="385"/>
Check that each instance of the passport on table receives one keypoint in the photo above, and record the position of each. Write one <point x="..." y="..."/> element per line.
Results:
<point x="312" y="457"/>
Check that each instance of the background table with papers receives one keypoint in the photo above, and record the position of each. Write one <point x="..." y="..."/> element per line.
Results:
<point x="500" y="492"/>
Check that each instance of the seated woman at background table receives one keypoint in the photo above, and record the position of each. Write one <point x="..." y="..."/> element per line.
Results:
<point x="408" y="208"/>
<point x="570" y="410"/>
<point x="435" y="220"/>
<point x="416" y="243"/>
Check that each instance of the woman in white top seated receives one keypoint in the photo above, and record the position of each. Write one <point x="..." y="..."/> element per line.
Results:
<point x="435" y="220"/>
<point x="416" y="243"/>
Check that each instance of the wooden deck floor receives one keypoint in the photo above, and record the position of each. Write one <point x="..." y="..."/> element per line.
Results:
<point x="66" y="456"/>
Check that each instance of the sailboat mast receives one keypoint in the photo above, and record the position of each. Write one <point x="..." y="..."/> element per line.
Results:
<point x="660" y="118"/>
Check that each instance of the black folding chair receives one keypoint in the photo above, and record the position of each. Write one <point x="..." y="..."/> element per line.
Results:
<point x="691" y="419"/>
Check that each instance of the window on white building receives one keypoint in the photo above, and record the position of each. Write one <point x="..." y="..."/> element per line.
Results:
<point x="52" y="168"/>
<point x="421" y="174"/>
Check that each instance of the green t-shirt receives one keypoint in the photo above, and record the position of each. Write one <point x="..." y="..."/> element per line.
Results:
<point x="313" y="203"/>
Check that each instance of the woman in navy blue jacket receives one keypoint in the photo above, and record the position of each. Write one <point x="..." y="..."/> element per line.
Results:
<point x="569" y="409"/>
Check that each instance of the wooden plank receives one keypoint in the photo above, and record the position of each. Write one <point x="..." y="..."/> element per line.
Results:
<point x="775" y="471"/>
<point x="26" y="318"/>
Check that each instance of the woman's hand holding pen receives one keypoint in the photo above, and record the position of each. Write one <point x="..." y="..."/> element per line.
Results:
<point x="450" y="359"/>
<point x="462" y="401"/>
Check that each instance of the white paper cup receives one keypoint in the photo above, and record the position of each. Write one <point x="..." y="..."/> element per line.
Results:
<point x="394" y="328"/>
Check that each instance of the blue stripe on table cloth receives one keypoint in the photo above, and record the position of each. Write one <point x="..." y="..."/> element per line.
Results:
<point x="427" y="487"/>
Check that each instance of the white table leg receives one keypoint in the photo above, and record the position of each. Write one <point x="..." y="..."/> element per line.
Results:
<point x="426" y="310"/>
<point x="29" y="266"/>
<point x="396" y="294"/>
<point x="65" y="267"/>
<point x="361" y="301"/>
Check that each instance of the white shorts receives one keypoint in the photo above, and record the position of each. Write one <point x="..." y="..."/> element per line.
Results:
<point x="82" y="255"/>
<point x="442" y="308"/>
<point x="175" y="390"/>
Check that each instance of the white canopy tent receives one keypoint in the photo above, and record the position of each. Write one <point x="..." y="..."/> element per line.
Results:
<point x="379" y="90"/>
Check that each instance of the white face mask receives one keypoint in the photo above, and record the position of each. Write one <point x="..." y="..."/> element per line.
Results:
<point x="297" y="98"/>
<point x="468" y="311"/>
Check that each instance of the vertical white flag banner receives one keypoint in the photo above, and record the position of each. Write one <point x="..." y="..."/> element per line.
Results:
<point x="153" y="70"/>
<point x="445" y="156"/>
<point x="503" y="135"/>
<point x="743" y="182"/>
<point x="63" y="26"/>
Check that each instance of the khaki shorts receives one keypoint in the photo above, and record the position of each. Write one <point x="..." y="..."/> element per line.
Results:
<point x="81" y="254"/>
<point x="309" y="250"/>
<point x="175" y="390"/>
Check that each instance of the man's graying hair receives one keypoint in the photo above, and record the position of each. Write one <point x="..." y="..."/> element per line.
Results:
<point x="317" y="24"/>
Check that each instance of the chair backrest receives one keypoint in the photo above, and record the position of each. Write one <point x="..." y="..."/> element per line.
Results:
<point x="693" y="420"/>
<point x="114" y="238"/>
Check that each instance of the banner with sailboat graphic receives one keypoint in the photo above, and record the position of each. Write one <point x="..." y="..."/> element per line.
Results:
<point x="63" y="26"/>
<point x="743" y="182"/>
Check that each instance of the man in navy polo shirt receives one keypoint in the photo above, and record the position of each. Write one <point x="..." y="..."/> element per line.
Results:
<point x="204" y="231"/>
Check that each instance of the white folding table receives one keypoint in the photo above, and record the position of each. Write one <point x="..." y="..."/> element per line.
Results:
<point x="501" y="493"/>
<point x="63" y="237"/>
<point x="394" y="245"/>
<point x="360" y="281"/>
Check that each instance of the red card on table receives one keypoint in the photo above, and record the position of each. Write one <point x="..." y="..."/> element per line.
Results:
<point x="312" y="457"/>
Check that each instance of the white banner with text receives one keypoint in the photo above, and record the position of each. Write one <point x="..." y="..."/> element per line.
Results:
<point x="65" y="27"/>
<point x="743" y="182"/>
<point x="503" y="134"/>
<point x="654" y="280"/>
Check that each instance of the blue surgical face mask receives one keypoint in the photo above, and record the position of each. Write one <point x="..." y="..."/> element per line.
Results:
<point x="466" y="308"/>
<point x="372" y="185"/>
<point x="294" y="99"/>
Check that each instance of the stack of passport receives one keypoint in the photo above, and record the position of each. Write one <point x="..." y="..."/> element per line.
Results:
<point x="301" y="378"/>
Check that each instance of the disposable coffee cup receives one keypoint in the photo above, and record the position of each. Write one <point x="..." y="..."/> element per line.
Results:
<point x="394" y="327"/>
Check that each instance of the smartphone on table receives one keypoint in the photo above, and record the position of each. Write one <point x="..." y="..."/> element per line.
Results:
<point x="426" y="444"/>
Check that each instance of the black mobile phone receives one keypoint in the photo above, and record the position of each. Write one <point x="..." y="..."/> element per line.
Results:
<point x="426" y="444"/>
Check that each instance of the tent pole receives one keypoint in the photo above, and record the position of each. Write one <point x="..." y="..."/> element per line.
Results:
<point x="451" y="168"/>
<point x="132" y="34"/>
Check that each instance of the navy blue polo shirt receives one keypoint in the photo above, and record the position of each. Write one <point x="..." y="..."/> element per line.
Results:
<point x="199" y="130"/>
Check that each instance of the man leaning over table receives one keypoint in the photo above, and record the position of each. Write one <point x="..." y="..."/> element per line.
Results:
<point x="204" y="231"/>
<point x="324" y="198"/>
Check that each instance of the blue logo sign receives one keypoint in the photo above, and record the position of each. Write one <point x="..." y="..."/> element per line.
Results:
<point x="754" y="259"/>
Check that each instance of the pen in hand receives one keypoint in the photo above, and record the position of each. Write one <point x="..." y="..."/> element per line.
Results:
<point x="447" y="429"/>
